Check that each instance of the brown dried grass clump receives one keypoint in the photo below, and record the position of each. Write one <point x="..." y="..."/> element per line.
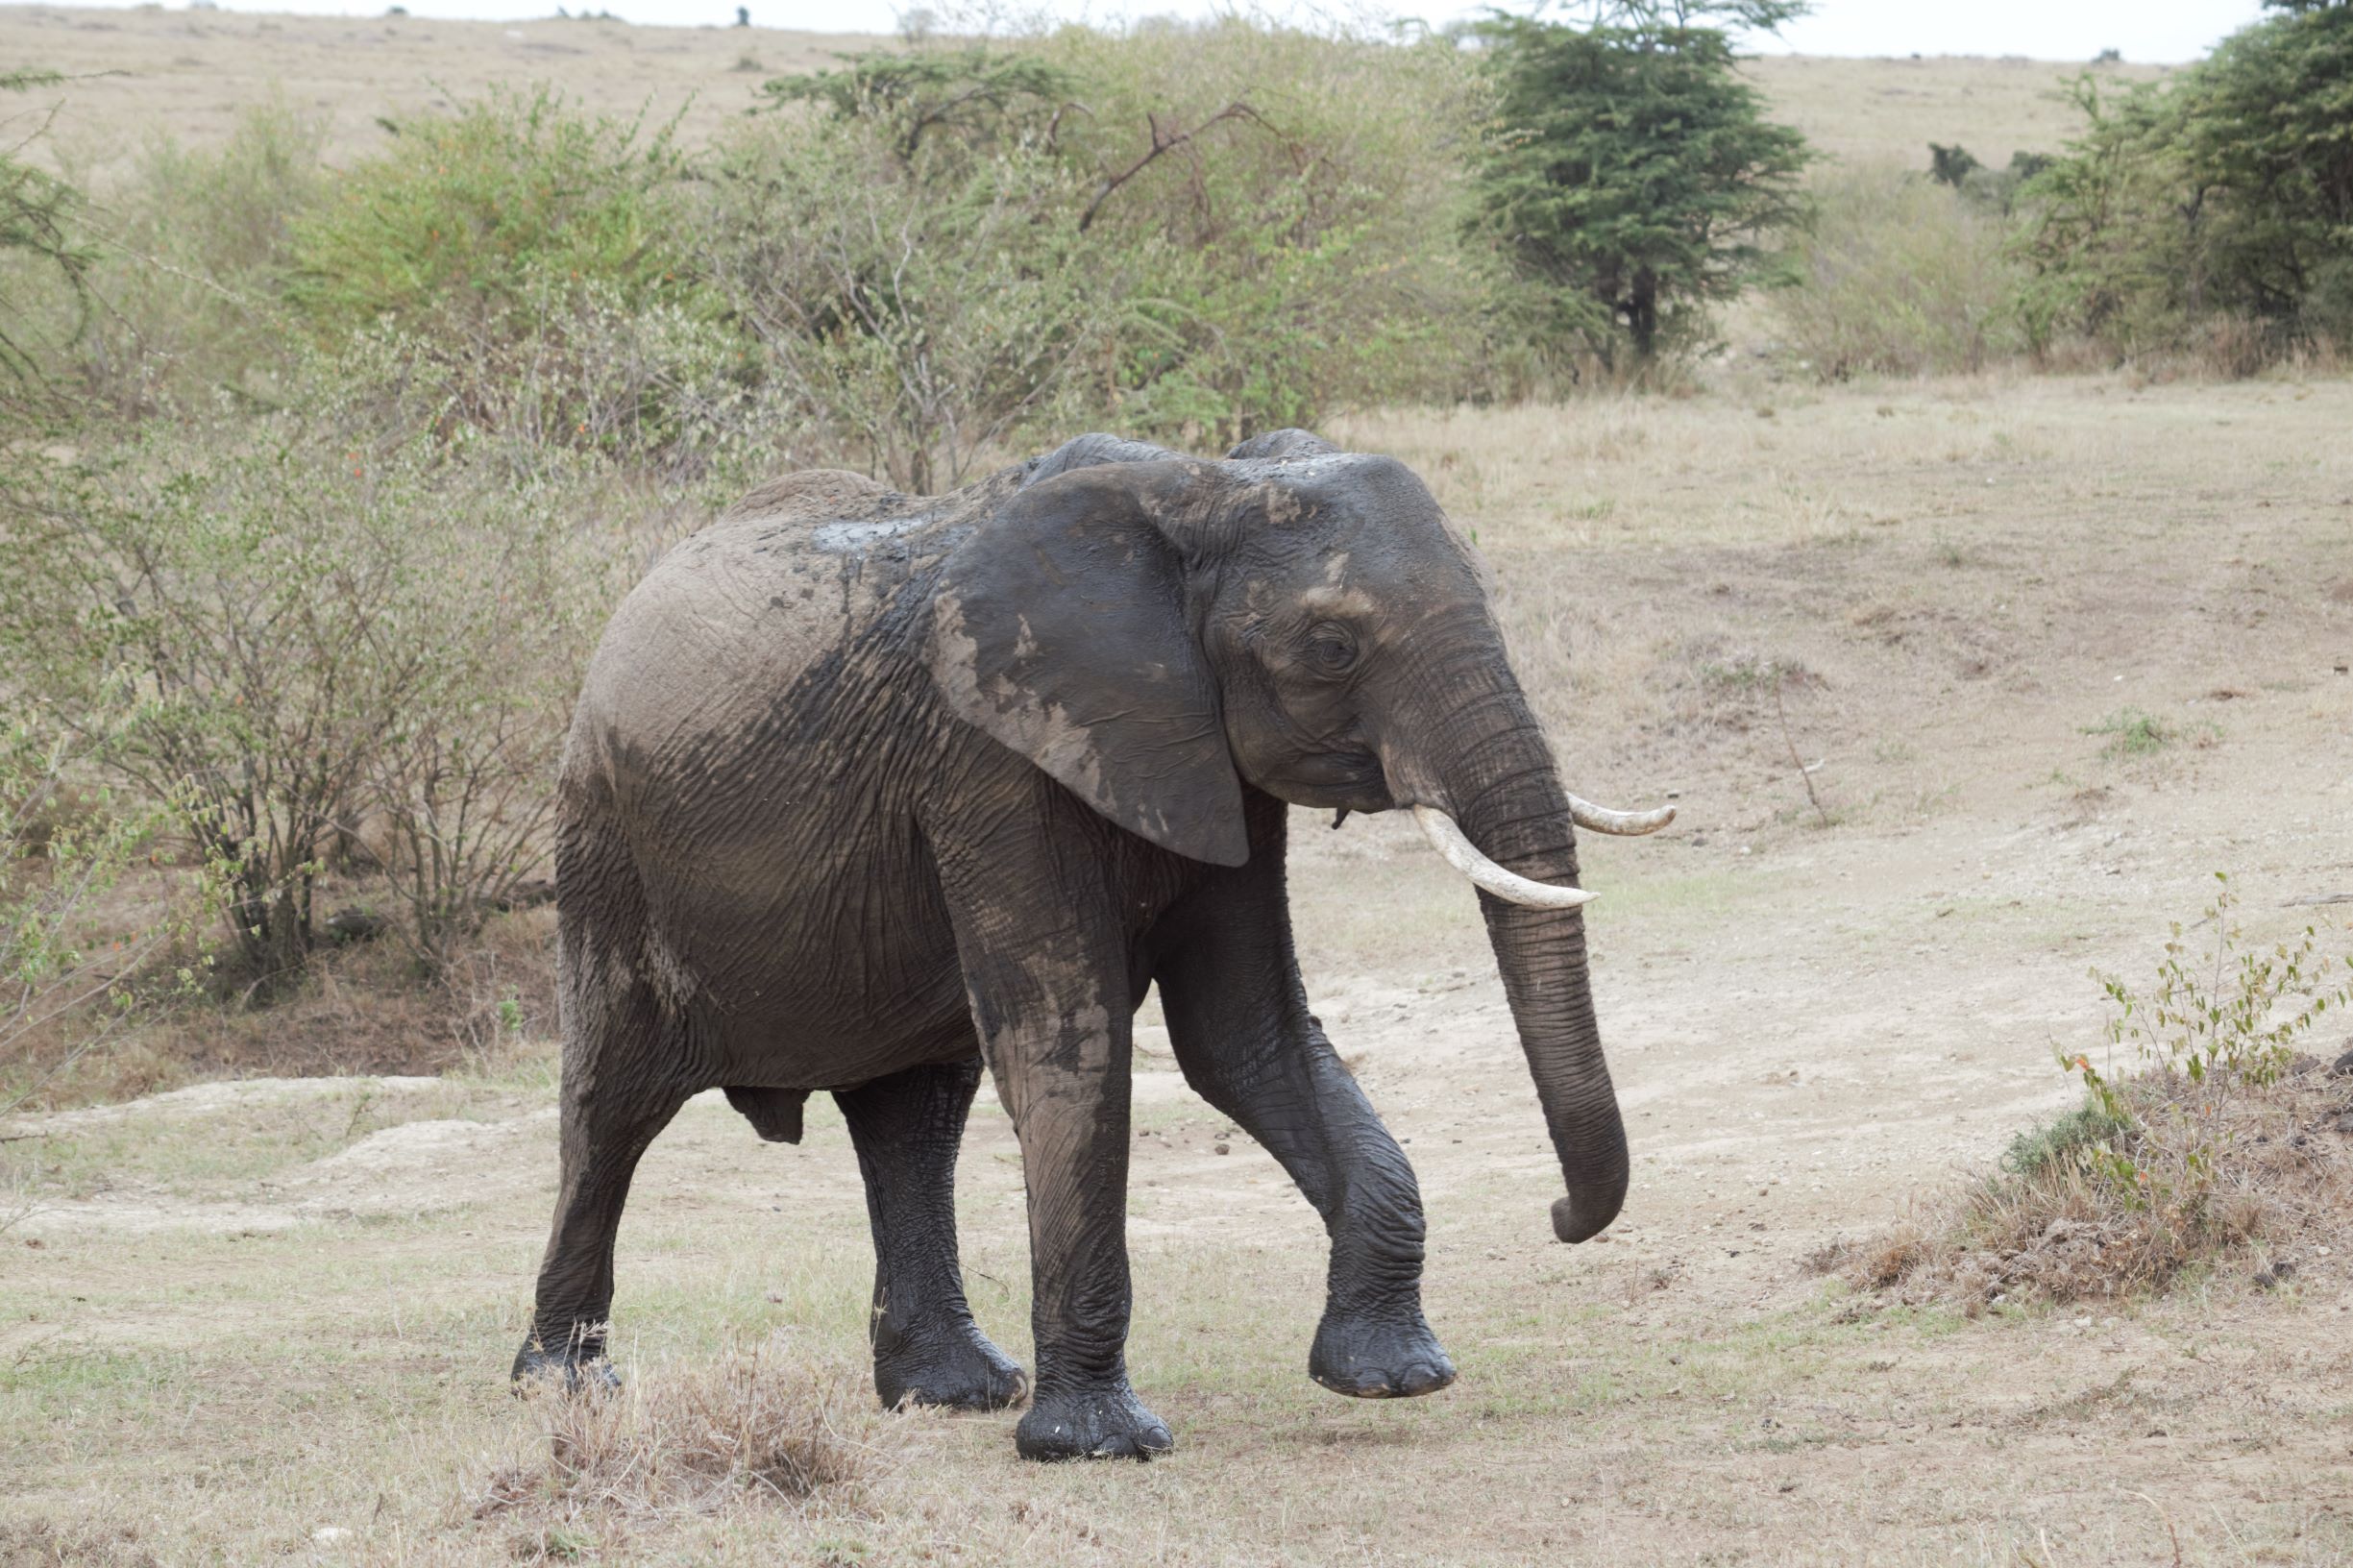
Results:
<point x="2210" y="1175"/>
<point x="747" y="1425"/>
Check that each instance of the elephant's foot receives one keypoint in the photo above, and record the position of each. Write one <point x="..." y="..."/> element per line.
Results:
<point x="1096" y="1424"/>
<point x="572" y="1368"/>
<point x="957" y="1368"/>
<point x="1369" y="1357"/>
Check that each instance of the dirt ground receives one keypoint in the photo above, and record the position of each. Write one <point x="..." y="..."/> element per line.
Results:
<point x="240" y="1314"/>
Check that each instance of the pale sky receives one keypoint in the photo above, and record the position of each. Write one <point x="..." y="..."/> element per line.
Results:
<point x="2146" y="31"/>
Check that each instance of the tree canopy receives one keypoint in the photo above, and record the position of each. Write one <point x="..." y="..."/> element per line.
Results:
<point x="2224" y="195"/>
<point x="1632" y="179"/>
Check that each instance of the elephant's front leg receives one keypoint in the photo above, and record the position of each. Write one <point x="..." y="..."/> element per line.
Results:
<point x="1239" y="1020"/>
<point x="1046" y="970"/>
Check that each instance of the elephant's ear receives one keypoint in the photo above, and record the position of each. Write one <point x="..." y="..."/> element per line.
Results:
<point x="1058" y="627"/>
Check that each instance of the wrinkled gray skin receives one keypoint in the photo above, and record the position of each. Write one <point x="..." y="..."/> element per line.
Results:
<point x="866" y="790"/>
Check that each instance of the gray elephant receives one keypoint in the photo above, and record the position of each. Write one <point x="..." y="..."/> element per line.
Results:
<point x="867" y="790"/>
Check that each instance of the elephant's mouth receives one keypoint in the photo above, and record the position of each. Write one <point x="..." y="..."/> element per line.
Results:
<point x="1341" y="780"/>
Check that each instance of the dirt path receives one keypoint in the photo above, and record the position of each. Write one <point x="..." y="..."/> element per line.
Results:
<point x="240" y="1313"/>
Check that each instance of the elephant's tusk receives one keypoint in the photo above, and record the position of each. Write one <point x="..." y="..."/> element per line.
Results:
<point x="1463" y="856"/>
<point x="1625" y="824"/>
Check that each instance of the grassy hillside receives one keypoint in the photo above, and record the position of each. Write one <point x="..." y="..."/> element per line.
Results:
<point x="186" y="73"/>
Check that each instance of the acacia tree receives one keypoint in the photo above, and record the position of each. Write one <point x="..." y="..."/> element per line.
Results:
<point x="1631" y="180"/>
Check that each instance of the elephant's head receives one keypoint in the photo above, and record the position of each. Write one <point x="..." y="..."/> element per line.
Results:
<point x="1153" y="630"/>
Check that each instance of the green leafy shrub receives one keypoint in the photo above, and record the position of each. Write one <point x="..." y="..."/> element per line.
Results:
<point x="2231" y="1020"/>
<point x="1899" y="276"/>
<point x="465" y="222"/>
<point x="2060" y="1145"/>
<point x="2213" y="214"/>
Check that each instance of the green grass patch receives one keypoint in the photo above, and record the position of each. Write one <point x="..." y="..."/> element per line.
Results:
<point x="2132" y="733"/>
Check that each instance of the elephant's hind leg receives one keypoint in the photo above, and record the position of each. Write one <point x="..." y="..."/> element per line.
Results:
<point x="607" y="1127"/>
<point x="622" y="1084"/>
<point x="927" y="1349"/>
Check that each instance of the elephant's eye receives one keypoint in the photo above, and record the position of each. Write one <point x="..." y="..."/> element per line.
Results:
<point x="1332" y="649"/>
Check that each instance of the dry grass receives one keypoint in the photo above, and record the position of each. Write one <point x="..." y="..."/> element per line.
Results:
<point x="190" y="72"/>
<point x="2255" y="1178"/>
<point x="761" y="1425"/>
<point x="41" y="1543"/>
<point x="1873" y="110"/>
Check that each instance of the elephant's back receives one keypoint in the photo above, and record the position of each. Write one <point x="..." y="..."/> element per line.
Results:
<point x="758" y="609"/>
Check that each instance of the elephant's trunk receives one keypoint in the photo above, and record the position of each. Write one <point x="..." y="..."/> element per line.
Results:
<point x="1500" y="786"/>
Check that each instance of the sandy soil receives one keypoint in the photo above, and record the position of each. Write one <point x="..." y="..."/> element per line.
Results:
<point x="1811" y="1025"/>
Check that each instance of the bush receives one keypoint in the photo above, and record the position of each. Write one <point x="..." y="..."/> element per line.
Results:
<point x="656" y="391"/>
<point x="1899" y="276"/>
<point x="916" y="307"/>
<point x="198" y="246"/>
<point x="473" y="214"/>
<point x="2223" y="200"/>
<point x="505" y="597"/>
<point x="1183" y="232"/>
<point x="311" y="615"/>
<point x="62" y="850"/>
<point x="2197" y="1147"/>
<point x="1958" y="168"/>
<point x="1298" y="250"/>
<point x="526" y="266"/>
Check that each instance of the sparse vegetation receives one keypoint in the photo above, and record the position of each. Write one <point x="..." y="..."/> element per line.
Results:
<point x="66" y="843"/>
<point x="2212" y="1138"/>
<point x="1899" y="276"/>
<point x="753" y="1423"/>
<point x="2133" y="733"/>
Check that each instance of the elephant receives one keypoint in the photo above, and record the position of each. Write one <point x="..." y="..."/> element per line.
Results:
<point x="867" y="790"/>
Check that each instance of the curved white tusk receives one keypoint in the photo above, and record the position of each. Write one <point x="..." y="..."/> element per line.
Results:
<point x="1625" y="824"/>
<point x="1463" y="856"/>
